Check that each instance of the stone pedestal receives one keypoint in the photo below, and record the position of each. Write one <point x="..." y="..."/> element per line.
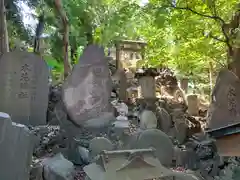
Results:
<point x="193" y="104"/>
<point x="149" y="102"/>
<point x="123" y="86"/>
<point x="146" y="87"/>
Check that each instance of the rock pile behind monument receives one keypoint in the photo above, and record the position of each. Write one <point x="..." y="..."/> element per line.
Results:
<point x="168" y="129"/>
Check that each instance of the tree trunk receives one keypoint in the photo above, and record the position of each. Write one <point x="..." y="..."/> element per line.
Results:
<point x="231" y="29"/>
<point x="4" y="45"/>
<point x="61" y="12"/>
<point x="89" y="35"/>
<point x="73" y="55"/>
<point x="211" y="77"/>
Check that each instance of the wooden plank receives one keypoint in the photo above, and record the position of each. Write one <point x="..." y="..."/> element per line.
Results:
<point x="229" y="145"/>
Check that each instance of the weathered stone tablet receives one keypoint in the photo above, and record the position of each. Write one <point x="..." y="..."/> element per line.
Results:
<point x="24" y="87"/>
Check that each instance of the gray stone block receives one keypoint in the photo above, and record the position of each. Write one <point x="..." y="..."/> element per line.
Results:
<point x="24" y="87"/>
<point x="58" y="168"/>
<point x="16" y="148"/>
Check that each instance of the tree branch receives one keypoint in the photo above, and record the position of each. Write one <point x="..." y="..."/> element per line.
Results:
<point x="214" y="17"/>
<point x="216" y="38"/>
<point x="219" y="19"/>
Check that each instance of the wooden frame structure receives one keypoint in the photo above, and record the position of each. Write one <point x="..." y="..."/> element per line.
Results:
<point x="227" y="139"/>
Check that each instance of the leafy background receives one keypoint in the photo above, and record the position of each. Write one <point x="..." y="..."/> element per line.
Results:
<point x="184" y="35"/>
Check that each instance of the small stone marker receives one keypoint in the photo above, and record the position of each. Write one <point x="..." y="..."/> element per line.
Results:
<point x="98" y="144"/>
<point x="186" y="158"/>
<point x="164" y="120"/>
<point x="148" y="120"/>
<point x="146" y="80"/>
<point x="193" y="104"/>
<point x="147" y="87"/>
<point x="16" y="148"/>
<point x="181" y="131"/>
<point x="87" y="91"/>
<point x="24" y="87"/>
<point x="154" y="138"/>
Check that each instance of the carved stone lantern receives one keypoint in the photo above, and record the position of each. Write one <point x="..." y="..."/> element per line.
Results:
<point x="128" y="53"/>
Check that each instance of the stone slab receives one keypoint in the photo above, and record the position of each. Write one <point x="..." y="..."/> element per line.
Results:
<point x="24" y="87"/>
<point x="148" y="120"/>
<point x="16" y="148"/>
<point x="225" y="106"/>
<point x="98" y="144"/>
<point x="154" y="138"/>
<point x="164" y="120"/>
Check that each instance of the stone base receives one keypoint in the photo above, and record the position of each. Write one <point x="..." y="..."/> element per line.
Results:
<point x="149" y="102"/>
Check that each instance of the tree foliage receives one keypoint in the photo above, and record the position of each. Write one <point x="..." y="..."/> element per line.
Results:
<point x="185" y="35"/>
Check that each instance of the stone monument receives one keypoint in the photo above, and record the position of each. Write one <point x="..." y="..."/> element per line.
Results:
<point x="24" y="87"/>
<point x="225" y="108"/>
<point x="87" y="91"/>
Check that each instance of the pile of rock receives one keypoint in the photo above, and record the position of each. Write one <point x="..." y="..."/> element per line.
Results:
<point x="84" y="126"/>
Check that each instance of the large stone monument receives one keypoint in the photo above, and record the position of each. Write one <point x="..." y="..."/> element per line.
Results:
<point x="224" y="114"/>
<point x="87" y="91"/>
<point x="24" y="87"/>
<point x="225" y="106"/>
